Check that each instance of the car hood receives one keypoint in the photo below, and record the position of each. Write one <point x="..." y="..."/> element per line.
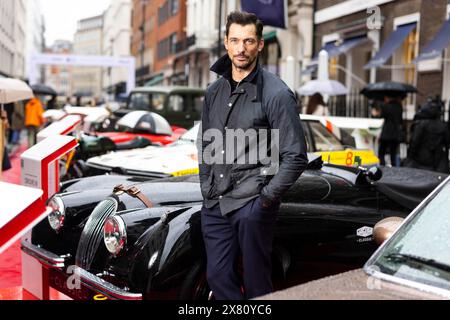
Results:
<point x="175" y="159"/>
<point x="107" y="182"/>
<point x="352" y="285"/>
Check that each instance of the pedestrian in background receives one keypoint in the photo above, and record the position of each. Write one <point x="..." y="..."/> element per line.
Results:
<point x="17" y="122"/>
<point x="51" y="104"/>
<point x="5" y="162"/>
<point x="429" y="143"/>
<point x="34" y="119"/>
<point x="9" y="110"/>
<point x="392" y="132"/>
<point x="241" y="201"/>
<point x="316" y="106"/>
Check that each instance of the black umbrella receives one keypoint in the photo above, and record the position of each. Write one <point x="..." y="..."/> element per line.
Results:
<point x="82" y="93"/>
<point x="377" y="91"/>
<point x="43" y="90"/>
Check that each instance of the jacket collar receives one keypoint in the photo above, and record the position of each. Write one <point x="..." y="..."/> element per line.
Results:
<point x="223" y="68"/>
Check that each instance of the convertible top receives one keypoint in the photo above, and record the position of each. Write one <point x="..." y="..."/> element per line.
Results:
<point x="408" y="187"/>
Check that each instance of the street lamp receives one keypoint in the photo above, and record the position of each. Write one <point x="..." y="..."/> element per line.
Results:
<point x="111" y="41"/>
<point x="219" y="42"/>
<point x="142" y="28"/>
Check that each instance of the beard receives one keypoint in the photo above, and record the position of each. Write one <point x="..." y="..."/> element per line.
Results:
<point x="244" y="65"/>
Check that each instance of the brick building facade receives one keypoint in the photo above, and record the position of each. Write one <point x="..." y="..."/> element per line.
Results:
<point x="157" y="27"/>
<point x="340" y="21"/>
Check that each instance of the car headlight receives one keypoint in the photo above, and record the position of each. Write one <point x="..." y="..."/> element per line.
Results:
<point x="58" y="215"/>
<point x="114" y="234"/>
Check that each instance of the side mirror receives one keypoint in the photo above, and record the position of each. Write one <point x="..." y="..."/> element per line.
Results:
<point x="372" y="173"/>
<point x="384" y="229"/>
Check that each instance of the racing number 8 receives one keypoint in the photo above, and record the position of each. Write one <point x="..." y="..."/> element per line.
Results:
<point x="349" y="159"/>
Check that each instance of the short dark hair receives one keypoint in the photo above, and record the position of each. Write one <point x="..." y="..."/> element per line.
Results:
<point x="245" y="18"/>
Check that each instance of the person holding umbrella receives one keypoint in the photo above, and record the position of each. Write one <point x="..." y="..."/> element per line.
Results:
<point x="391" y="133"/>
<point x="391" y="94"/>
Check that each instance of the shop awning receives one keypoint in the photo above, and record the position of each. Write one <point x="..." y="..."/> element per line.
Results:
<point x="335" y="49"/>
<point x="311" y="68"/>
<point x="437" y="45"/>
<point x="390" y="45"/>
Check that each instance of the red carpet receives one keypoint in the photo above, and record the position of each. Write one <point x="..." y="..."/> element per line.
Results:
<point x="10" y="260"/>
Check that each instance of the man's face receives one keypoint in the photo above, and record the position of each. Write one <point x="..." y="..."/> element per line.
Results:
<point x="243" y="45"/>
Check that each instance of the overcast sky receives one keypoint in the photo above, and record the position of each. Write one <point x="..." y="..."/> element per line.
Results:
<point x="61" y="16"/>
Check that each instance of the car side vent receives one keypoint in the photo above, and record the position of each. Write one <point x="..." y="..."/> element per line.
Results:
<point x="92" y="235"/>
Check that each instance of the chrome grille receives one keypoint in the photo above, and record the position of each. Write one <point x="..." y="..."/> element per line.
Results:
<point x="92" y="235"/>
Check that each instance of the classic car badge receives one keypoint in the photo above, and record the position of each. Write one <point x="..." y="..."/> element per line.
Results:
<point x="364" y="232"/>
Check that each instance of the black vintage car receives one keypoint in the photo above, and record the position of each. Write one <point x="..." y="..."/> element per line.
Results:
<point x="123" y="249"/>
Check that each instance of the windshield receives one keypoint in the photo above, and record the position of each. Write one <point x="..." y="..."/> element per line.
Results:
<point x="143" y="122"/>
<point x="147" y="101"/>
<point x="420" y="251"/>
<point x="191" y="134"/>
<point x="325" y="140"/>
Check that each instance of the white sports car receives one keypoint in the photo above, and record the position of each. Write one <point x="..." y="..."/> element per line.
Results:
<point x="176" y="159"/>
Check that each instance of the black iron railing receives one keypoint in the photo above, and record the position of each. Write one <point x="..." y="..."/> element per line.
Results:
<point x="352" y="105"/>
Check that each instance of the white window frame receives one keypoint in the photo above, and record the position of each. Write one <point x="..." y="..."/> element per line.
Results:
<point x="396" y="59"/>
<point x="330" y="37"/>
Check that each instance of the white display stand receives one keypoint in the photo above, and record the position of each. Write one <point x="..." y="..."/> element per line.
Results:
<point x="21" y="208"/>
<point x="40" y="163"/>
<point x="64" y="126"/>
<point x="40" y="169"/>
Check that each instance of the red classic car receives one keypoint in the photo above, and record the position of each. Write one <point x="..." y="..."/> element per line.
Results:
<point x="145" y="124"/>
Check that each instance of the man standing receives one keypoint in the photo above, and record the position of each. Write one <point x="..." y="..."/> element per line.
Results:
<point x="241" y="198"/>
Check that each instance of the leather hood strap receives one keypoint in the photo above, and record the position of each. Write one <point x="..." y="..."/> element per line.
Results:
<point x="135" y="193"/>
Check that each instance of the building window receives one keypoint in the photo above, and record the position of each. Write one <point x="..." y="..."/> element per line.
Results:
<point x="173" y="43"/>
<point x="163" y="48"/>
<point x="410" y="51"/>
<point x="333" y="70"/>
<point x="174" y="6"/>
<point x="167" y="46"/>
<point x="403" y="57"/>
<point x="168" y="9"/>
<point x="163" y="13"/>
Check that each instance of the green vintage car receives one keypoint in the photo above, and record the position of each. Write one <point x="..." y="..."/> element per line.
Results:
<point x="181" y="106"/>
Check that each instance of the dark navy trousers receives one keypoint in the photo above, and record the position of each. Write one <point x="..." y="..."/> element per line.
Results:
<point x="248" y="231"/>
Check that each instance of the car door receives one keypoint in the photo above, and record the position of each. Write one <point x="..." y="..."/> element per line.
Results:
<point x="183" y="108"/>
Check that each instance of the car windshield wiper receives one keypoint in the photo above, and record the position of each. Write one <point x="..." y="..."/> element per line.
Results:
<point x="419" y="261"/>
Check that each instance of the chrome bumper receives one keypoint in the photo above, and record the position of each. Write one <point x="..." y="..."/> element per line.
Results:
<point x="46" y="258"/>
<point x="87" y="280"/>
